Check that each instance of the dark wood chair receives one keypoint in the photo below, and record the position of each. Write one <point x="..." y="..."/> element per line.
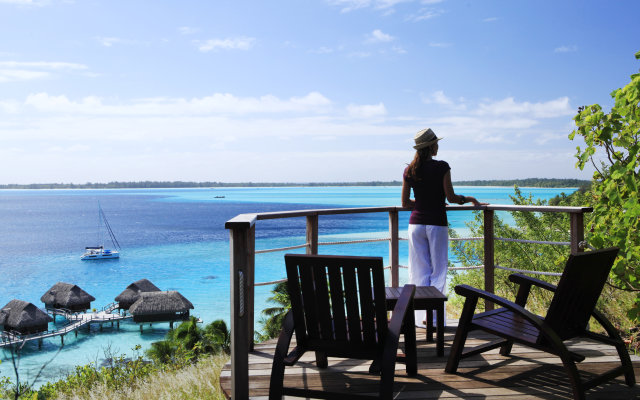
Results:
<point x="338" y="310"/>
<point x="572" y="306"/>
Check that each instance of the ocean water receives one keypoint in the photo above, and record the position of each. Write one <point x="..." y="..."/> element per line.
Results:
<point x="176" y="239"/>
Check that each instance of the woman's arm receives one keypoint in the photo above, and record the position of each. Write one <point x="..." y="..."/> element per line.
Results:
<point x="452" y="197"/>
<point x="406" y="194"/>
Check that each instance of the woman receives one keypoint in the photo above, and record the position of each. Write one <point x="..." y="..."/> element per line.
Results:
<point x="428" y="231"/>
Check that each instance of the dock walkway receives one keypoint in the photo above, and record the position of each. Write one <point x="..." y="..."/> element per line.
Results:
<point x="76" y="321"/>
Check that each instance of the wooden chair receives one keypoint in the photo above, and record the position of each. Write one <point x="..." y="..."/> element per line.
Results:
<point x="572" y="306"/>
<point x="338" y="310"/>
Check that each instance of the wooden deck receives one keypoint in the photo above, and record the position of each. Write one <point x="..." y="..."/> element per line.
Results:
<point x="526" y="374"/>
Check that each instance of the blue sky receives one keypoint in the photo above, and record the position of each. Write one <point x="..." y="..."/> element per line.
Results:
<point x="301" y="91"/>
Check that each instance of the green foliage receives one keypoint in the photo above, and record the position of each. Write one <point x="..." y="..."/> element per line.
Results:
<point x="272" y="317"/>
<point x="548" y="227"/>
<point x="612" y="141"/>
<point x="188" y="342"/>
<point x="552" y="227"/>
<point x="529" y="182"/>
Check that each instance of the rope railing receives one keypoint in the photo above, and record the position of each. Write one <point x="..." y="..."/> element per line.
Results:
<point x="533" y="241"/>
<point x="299" y="246"/>
<point x="405" y="267"/>
<point x="525" y="271"/>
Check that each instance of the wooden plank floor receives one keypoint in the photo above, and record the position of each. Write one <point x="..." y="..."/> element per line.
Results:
<point x="526" y="374"/>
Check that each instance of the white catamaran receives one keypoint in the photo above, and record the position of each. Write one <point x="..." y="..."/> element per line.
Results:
<point x="99" y="252"/>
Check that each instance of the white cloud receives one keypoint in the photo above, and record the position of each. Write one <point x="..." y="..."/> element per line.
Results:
<point x="11" y="75"/>
<point x="12" y="71"/>
<point x="240" y="43"/>
<point x="350" y="5"/>
<point x="438" y="97"/>
<point x="377" y="36"/>
<point x="269" y="138"/>
<point x="322" y="50"/>
<point x="508" y="106"/>
<point x="490" y="19"/>
<point x="26" y="2"/>
<point x="218" y="103"/>
<point x="441" y="45"/>
<point x="42" y="65"/>
<point x="187" y="30"/>
<point x="425" y="14"/>
<point x="109" y="41"/>
<point x="367" y="111"/>
<point x="566" y="49"/>
<point x="360" y="54"/>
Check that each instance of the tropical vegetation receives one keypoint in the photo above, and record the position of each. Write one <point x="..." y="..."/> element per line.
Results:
<point x="272" y="317"/>
<point x="613" y="148"/>
<point x="179" y="363"/>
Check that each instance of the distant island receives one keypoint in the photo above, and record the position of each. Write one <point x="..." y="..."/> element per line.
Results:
<point x="529" y="182"/>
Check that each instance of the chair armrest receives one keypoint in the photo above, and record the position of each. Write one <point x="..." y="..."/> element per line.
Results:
<point x="527" y="280"/>
<point x="400" y="310"/>
<point x="390" y="350"/>
<point x="537" y="321"/>
<point x="284" y="340"/>
<point x="468" y="291"/>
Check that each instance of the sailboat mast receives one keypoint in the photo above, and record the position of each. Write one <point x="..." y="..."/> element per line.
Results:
<point x="100" y="239"/>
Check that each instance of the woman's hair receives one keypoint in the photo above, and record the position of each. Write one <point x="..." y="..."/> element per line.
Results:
<point x="414" y="167"/>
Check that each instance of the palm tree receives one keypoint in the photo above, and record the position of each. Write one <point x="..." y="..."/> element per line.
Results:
<point x="273" y="316"/>
<point x="218" y="337"/>
<point x="161" y="351"/>
<point x="188" y="334"/>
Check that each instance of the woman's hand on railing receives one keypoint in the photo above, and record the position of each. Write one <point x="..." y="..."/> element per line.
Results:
<point x="475" y="201"/>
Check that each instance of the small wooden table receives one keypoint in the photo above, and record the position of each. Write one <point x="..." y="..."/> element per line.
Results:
<point x="426" y="298"/>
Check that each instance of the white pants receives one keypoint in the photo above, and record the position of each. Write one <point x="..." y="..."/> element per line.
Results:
<point x="428" y="259"/>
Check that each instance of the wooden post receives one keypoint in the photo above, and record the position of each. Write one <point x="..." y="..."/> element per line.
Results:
<point x="62" y="339"/>
<point x="489" y="251"/>
<point x="312" y="234"/>
<point x="242" y="243"/>
<point x="577" y="231"/>
<point x="394" y="254"/>
<point x="141" y="328"/>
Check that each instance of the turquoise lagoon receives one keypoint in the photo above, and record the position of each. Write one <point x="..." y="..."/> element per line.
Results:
<point x="176" y="239"/>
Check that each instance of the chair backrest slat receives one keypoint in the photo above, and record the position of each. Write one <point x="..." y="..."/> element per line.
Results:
<point x="337" y="301"/>
<point x="352" y="306"/>
<point x="578" y="291"/>
<point x="366" y="306"/>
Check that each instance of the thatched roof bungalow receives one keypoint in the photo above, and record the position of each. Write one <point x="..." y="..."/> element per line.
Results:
<point x="23" y="317"/>
<point x="67" y="296"/>
<point x="132" y="293"/>
<point x="160" y="306"/>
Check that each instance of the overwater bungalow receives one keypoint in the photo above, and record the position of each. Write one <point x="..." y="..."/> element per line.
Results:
<point x="23" y="317"/>
<point x="132" y="293"/>
<point x="67" y="296"/>
<point x="166" y="306"/>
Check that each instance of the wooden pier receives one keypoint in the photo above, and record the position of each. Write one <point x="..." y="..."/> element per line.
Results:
<point x="76" y="321"/>
<point x="527" y="374"/>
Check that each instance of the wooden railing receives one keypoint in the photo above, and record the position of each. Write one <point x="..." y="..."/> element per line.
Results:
<point x="242" y="243"/>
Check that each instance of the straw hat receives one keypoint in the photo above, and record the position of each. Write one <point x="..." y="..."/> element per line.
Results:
<point x="425" y="138"/>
